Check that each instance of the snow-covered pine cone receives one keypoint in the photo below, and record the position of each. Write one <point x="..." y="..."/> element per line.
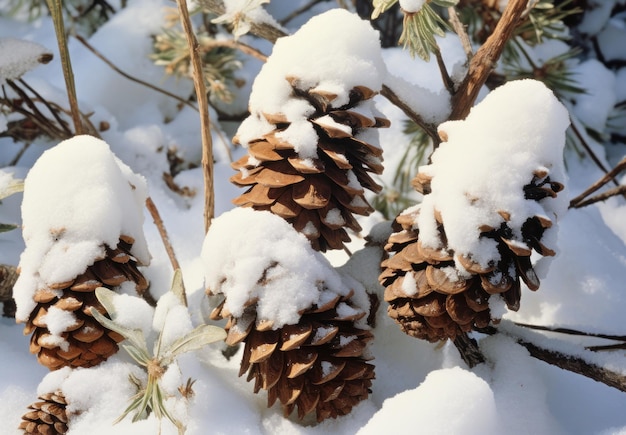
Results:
<point x="301" y="321"/>
<point x="82" y="216"/>
<point x="47" y="416"/>
<point x="317" y="365"/>
<point x="427" y="295"/>
<point x="318" y="195"/>
<point x="83" y="342"/>
<point x="490" y="200"/>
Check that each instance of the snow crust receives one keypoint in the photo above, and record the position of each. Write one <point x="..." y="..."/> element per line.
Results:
<point x="18" y="56"/>
<point x="484" y="163"/>
<point x="249" y="254"/>
<point x="78" y="197"/>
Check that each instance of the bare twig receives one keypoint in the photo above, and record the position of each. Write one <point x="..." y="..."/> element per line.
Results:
<point x="56" y="9"/>
<point x="461" y="32"/>
<point x="237" y="45"/>
<point x="431" y="130"/>
<point x="203" y="106"/>
<point x="128" y="76"/>
<point x="585" y="145"/>
<point x="35" y="115"/>
<point x="299" y="11"/>
<point x="485" y="59"/>
<point x="601" y="182"/>
<point x="618" y="190"/>
<point x="570" y="331"/>
<point x="156" y="217"/>
<point x="45" y="102"/>
<point x="445" y="77"/>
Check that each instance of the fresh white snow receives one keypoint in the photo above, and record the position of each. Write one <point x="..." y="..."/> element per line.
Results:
<point x="419" y="386"/>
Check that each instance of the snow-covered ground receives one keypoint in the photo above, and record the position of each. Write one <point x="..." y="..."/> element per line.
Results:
<point x="419" y="387"/>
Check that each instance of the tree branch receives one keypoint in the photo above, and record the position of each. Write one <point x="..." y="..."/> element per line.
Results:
<point x="459" y="28"/>
<point x="566" y="361"/>
<point x="431" y="130"/>
<point x="59" y="28"/>
<point x="574" y="203"/>
<point x="485" y="59"/>
<point x="576" y="365"/>
<point x="203" y="107"/>
<point x="468" y="348"/>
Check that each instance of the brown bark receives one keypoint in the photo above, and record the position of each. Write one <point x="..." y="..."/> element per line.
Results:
<point x="485" y="60"/>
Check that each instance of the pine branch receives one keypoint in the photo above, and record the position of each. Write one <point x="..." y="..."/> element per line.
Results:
<point x="485" y="59"/>
<point x="203" y="106"/>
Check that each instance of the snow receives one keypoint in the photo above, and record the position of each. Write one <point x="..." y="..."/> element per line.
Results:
<point x="520" y="123"/>
<point x="78" y="198"/>
<point x="304" y="55"/>
<point x="250" y="254"/>
<point x="448" y="401"/>
<point x="594" y="106"/>
<point x="412" y="6"/>
<point x="419" y="386"/>
<point x="18" y="56"/>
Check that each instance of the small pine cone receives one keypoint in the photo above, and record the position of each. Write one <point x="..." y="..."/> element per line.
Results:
<point x="8" y="276"/>
<point x="436" y="294"/>
<point x="47" y="416"/>
<point x="84" y="342"/>
<point x="318" y="195"/>
<point x="318" y="364"/>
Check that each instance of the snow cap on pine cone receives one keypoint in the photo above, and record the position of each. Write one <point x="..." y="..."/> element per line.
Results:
<point x="83" y="228"/>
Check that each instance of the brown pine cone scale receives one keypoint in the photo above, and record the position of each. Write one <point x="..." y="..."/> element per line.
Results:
<point x="84" y="343"/>
<point x="46" y="417"/>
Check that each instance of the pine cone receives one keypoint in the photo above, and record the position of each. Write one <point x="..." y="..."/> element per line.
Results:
<point x="47" y="416"/>
<point x="432" y="298"/>
<point x="84" y="342"/>
<point x="317" y="194"/>
<point x="8" y="276"/>
<point x="316" y="365"/>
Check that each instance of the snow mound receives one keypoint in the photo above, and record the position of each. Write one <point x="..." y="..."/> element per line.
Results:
<point x="250" y="254"/>
<point x="487" y="159"/>
<point x="77" y="197"/>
